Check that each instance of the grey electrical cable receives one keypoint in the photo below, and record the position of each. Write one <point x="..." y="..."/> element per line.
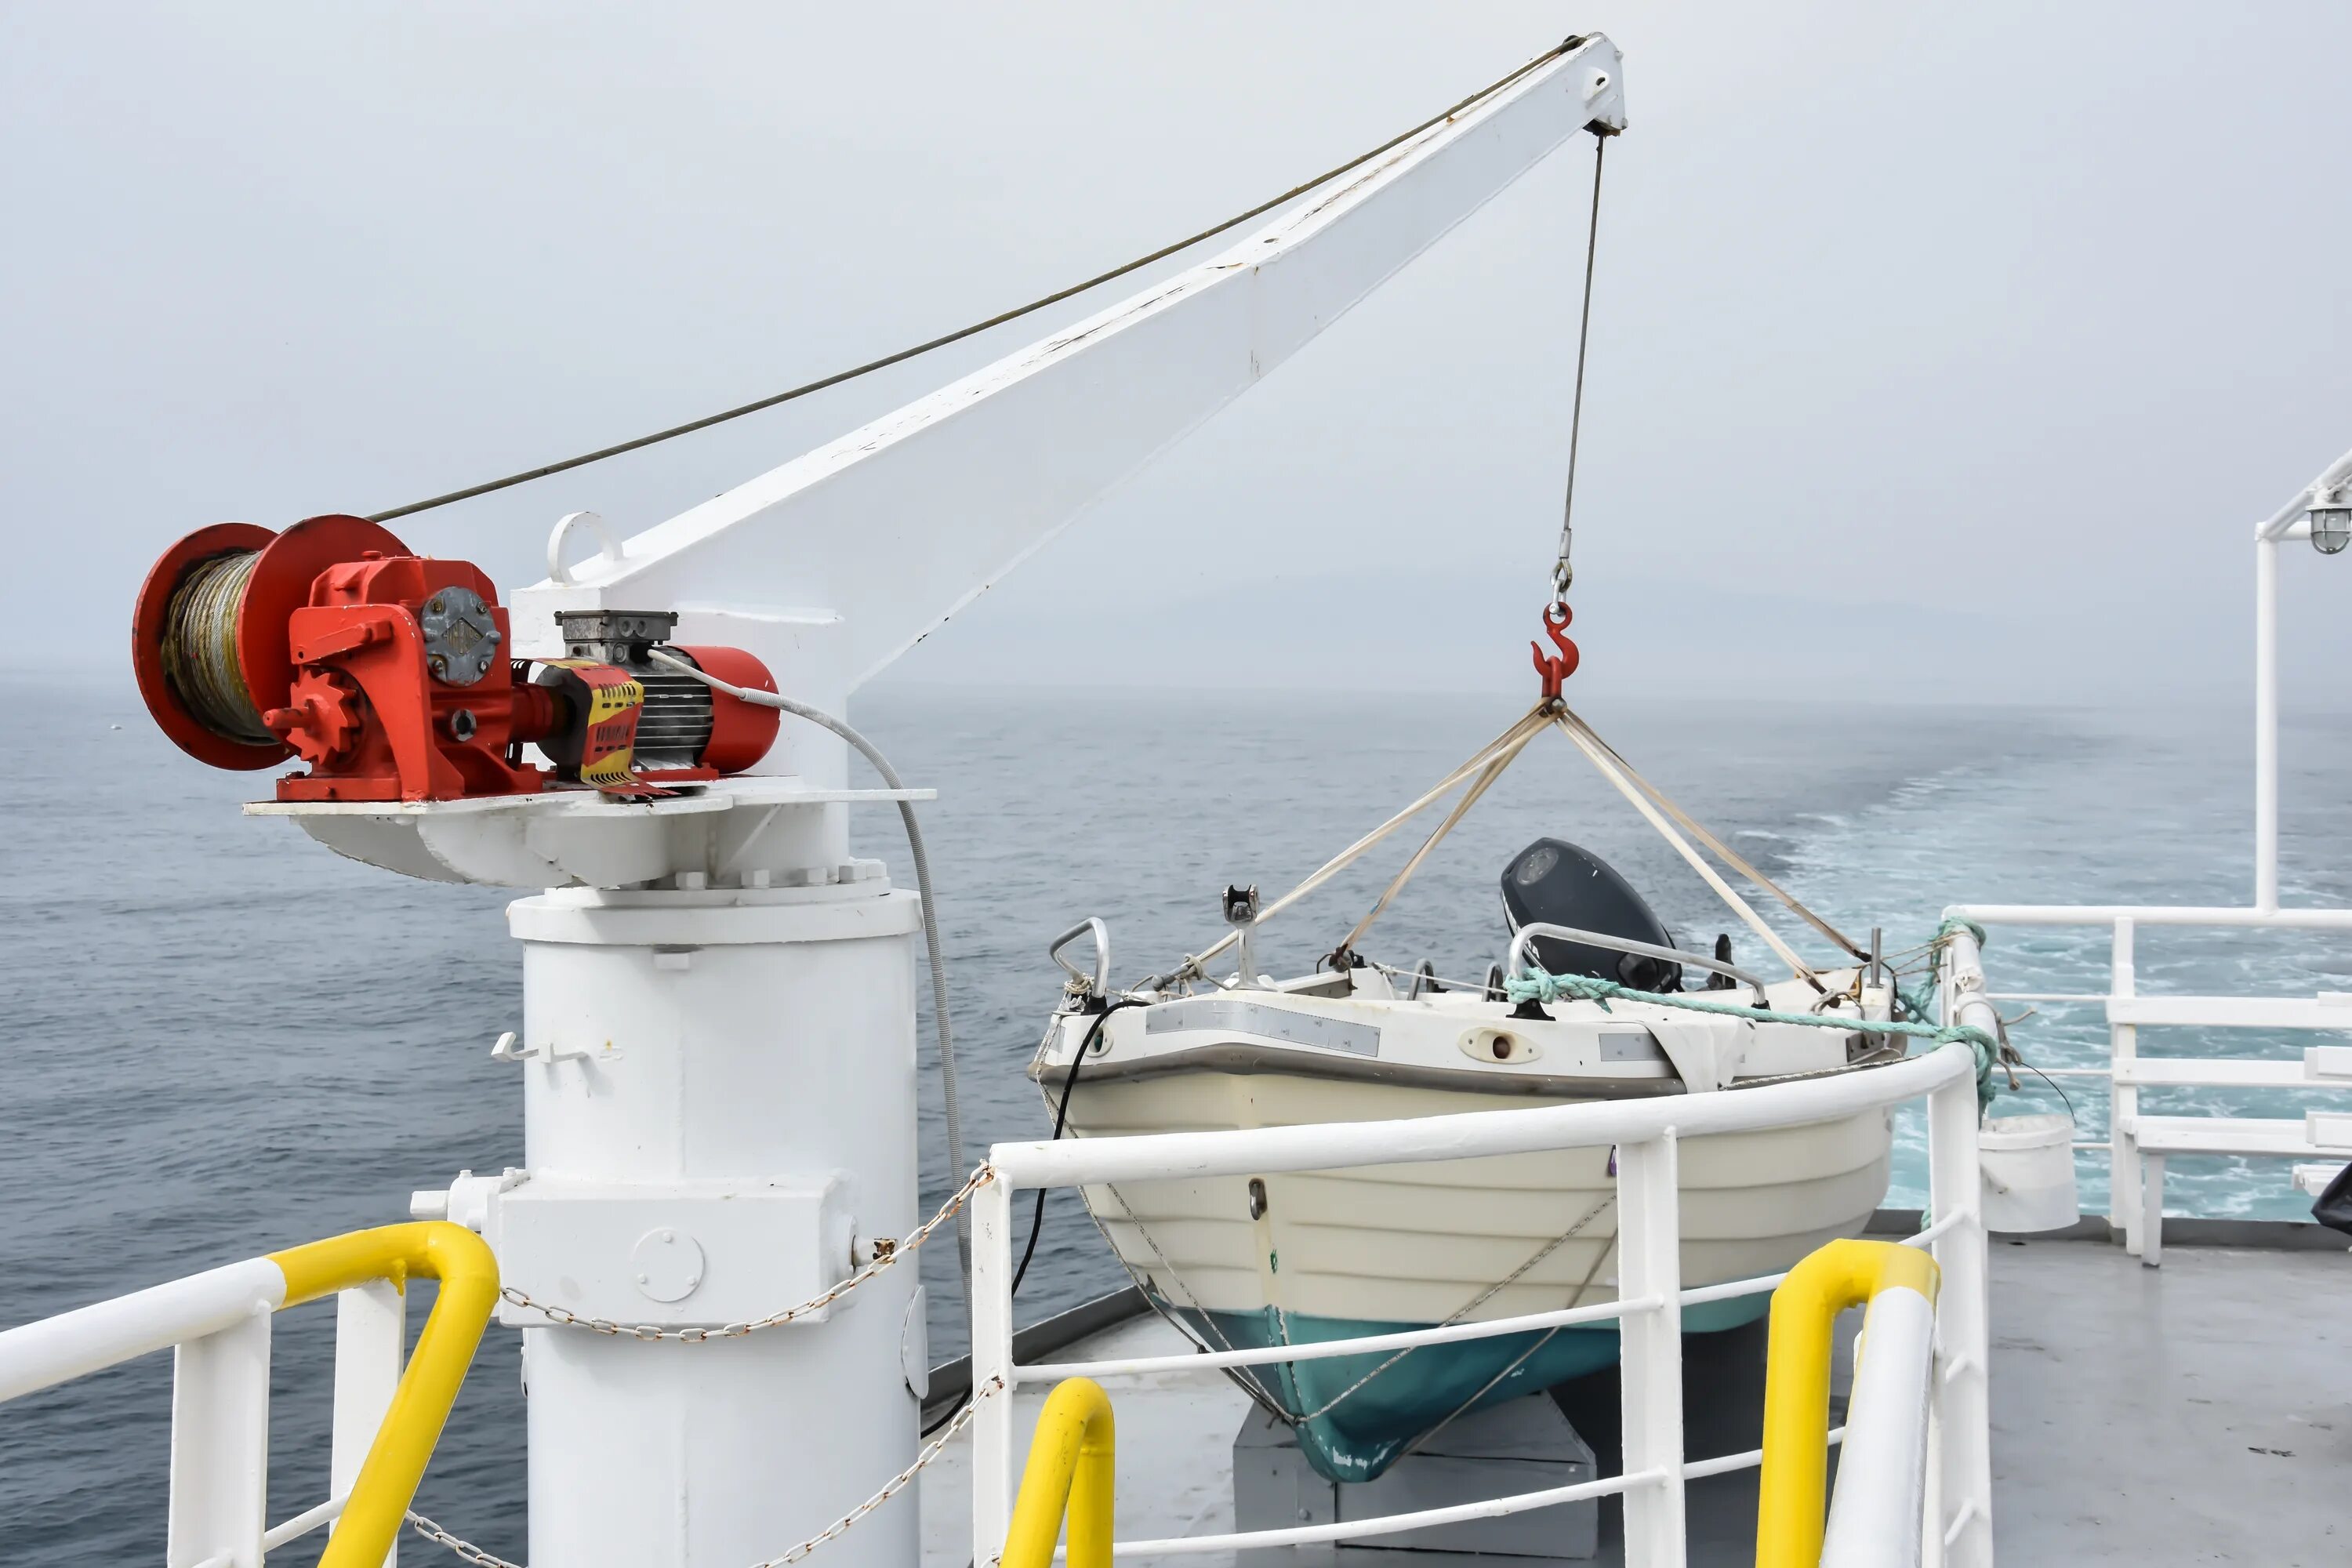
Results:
<point x="944" y="339"/>
<point x="867" y="750"/>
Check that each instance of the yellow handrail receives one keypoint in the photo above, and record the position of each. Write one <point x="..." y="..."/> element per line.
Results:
<point x="434" y="1249"/>
<point x="1790" y="1502"/>
<point x="1070" y="1465"/>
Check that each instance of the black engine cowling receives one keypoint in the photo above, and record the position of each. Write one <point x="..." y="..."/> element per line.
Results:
<point x="1554" y="882"/>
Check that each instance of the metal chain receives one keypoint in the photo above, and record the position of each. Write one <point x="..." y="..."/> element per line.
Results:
<point x="472" y="1553"/>
<point x="980" y="1176"/>
<point x="894" y="1485"/>
<point x="463" y="1548"/>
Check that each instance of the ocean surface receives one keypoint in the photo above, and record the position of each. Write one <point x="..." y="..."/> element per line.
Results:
<point x="216" y="1038"/>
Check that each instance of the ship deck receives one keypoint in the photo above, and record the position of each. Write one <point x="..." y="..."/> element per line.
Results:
<point x="2197" y="1413"/>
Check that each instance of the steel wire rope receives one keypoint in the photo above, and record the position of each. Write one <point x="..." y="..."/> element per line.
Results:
<point x="1564" y="571"/>
<point x="960" y="333"/>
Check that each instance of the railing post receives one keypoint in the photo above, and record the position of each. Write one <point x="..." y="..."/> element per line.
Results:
<point x="1963" y="1338"/>
<point x="220" y="1447"/>
<point x="370" y="1339"/>
<point x="1649" y="1264"/>
<point x="991" y="1365"/>
<point x="2123" y="1099"/>
<point x="1932" y="1511"/>
<point x="2266" y="695"/>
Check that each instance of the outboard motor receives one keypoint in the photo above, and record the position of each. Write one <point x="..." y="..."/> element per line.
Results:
<point x="1554" y="882"/>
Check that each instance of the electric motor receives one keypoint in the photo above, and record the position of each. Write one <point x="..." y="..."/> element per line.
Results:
<point x="389" y="673"/>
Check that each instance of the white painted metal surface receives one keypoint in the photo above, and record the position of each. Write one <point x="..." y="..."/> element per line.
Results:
<point x="2139" y="1144"/>
<point x="74" y="1345"/>
<point x="1359" y="1243"/>
<point x="1876" y="1511"/>
<point x="993" y="1374"/>
<point x="1651" y="1354"/>
<point x="742" y="1038"/>
<point x="2332" y="1011"/>
<point x="2305" y="1137"/>
<point x="220" y="1445"/>
<point x="2286" y="522"/>
<point x="2216" y="915"/>
<point x="689" y="1047"/>
<point x="836" y="563"/>
<point x="1646" y="1135"/>
<point x="370" y="1348"/>
<point x="743" y="832"/>
<point x="2211" y="1072"/>
<point x="1428" y="1138"/>
<point x="218" y="1324"/>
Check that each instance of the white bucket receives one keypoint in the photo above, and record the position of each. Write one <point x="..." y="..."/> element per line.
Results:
<point x="2028" y="1166"/>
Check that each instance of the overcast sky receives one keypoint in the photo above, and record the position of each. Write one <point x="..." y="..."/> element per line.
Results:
<point x="1940" y="350"/>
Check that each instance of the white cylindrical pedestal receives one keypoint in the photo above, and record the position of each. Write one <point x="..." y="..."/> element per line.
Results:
<point x="683" y="1042"/>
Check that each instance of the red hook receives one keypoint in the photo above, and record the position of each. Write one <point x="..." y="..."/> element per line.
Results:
<point x="1559" y="667"/>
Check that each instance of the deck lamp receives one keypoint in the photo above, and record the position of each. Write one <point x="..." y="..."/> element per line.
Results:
<point x="2331" y="522"/>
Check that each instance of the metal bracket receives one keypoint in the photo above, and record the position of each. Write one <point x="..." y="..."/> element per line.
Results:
<point x="506" y="1049"/>
<point x="609" y="549"/>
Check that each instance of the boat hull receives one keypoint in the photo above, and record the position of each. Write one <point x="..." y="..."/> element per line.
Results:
<point x="1296" y="1257"/>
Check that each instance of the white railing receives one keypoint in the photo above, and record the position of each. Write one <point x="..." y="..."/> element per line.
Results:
<point x="218" y="1325"/>
<point x="1878" y="1512"/>
<point x="2137" y="1146"/>
<point x="1646" y="1134"/>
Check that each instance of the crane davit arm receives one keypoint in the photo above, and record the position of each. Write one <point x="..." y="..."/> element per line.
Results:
<point x="836" y="563"/>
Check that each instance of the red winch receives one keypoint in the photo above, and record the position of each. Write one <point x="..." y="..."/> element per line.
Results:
<point x="388" y="673"/>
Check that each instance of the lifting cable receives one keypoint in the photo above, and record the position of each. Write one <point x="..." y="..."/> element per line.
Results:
<point x="1000" y="319"/>
<point x="1488" y="763"/>
<point x="1564" y="571"/>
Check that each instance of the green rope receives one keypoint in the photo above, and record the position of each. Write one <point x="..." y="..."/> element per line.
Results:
<point x="1951" y="925"/>
<point x="1534" y="985"/>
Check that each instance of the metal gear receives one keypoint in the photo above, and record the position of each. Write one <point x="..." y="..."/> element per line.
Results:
<point x="322" y="717"/>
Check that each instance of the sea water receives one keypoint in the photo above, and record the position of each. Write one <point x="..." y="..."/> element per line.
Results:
<point x="216" y="1038"/>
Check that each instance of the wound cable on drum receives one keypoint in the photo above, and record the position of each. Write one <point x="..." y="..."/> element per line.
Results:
<point x="199" y="650"/>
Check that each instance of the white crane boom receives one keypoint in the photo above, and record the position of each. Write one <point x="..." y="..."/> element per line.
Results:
<point x="833" y="564"/>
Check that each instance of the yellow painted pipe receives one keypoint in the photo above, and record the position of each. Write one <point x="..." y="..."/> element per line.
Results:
<point x="1790" y="1492"/>
<point x="395" y="1461"/>
<point x="1071" y="1462"/>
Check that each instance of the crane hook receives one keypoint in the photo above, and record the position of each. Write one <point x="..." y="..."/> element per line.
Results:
<point x="1558" y="667"/>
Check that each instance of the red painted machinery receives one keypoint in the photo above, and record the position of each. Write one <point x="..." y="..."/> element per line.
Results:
<point x="387" y="672"/>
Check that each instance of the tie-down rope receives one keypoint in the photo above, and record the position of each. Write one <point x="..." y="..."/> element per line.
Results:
<point x="1535" y="986"/>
